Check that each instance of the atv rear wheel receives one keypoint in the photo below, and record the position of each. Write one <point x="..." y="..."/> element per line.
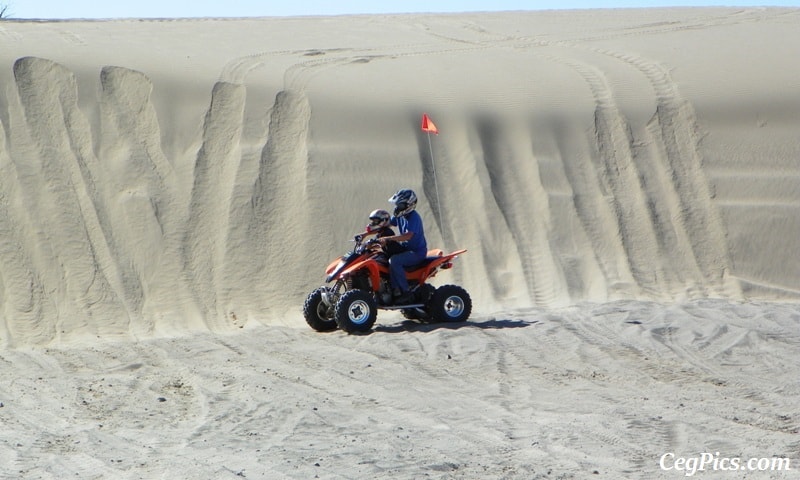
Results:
<point x="450" y="303"/>
<point x="318" y="314"/>
<point x="356" y="311"/>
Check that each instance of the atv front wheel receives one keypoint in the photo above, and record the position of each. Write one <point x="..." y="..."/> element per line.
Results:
<point x="450" y="303"/>
<point x="318" y="314"/>
<point x="356" y="311"/>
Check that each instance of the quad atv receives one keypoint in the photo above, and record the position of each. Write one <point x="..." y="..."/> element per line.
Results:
<point x="360" y="286"/>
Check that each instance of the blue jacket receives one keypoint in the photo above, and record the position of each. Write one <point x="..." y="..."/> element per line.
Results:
<point x="412" y="222"/>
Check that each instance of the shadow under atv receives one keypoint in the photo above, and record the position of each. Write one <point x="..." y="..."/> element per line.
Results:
<point x="418" y="326"/>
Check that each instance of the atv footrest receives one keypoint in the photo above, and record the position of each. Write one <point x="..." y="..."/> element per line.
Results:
<point x="401" y="307"/>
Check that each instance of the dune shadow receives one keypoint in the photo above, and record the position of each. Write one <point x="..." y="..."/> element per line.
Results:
<point x="413" y="326"/>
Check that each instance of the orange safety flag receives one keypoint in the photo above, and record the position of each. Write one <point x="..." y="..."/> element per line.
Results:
<point x="427" y="125"/>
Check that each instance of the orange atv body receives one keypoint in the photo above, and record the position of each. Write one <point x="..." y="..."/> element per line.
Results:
<point x="360" y="286"/>
<point x="377" y="265"/>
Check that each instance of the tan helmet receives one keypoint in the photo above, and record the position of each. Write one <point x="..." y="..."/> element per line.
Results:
<point x="378" y="219"/>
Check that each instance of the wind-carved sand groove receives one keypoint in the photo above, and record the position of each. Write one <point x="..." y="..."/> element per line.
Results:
<point x="118" y="93"/>
<point x="665" y="210"/>
<point x="214" y="178"/>
<point x="653" y="207"/>
<point x="616" y="176"/>
<point x="64" y="198"/>
<point x="25" y="303"/>
<point x="620" y="179"/>
<point x="139" y="185"/>
<point x="518" y="193"/>
<point x="631" y="181"/>
<point x="593" y="211"/>
<point x="281" y="187"/>
<point x="702" y="222"/>
<point x="470" y="190"/>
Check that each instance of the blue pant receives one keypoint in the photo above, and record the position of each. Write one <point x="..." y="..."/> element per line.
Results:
<point x="396" y="272"/>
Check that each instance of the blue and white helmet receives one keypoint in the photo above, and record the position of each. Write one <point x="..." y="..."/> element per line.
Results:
<point x="405" y="201"/>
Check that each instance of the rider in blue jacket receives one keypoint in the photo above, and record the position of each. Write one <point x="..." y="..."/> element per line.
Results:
<point x="411" y="237"/>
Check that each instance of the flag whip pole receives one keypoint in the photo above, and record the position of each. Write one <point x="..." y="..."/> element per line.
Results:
<point x="428" y="126"/>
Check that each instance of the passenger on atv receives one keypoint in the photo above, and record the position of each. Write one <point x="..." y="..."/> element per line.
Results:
<point x="379" y="226"/>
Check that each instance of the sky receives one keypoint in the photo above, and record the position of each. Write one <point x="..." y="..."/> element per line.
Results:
<point x="61" y="9"/>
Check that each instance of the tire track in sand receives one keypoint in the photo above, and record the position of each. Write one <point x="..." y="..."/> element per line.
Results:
<point x="524" y="204"/>
<point x="701" y="220"/>
<point x="620" y="181"/>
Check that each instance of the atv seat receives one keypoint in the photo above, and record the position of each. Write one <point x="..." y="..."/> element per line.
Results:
<point x="427" y="260"/>
<point x="432" y="255"/>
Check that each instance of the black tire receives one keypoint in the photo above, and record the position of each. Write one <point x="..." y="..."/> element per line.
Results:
<point x="421" y="295"/>
<point x="450" y="303"/>
<point x="318" y="315"/>
<point x="356" y="311"/>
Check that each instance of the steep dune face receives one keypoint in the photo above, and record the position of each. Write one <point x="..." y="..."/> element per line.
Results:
<point x="64" y="235"/>
<point x="571" y="163"/>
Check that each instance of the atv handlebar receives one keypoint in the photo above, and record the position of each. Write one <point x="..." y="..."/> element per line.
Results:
<point x="361" y="245"/>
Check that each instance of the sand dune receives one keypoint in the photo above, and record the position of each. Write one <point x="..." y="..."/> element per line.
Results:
<point x="626" y="182"/>
<point x="582" y="164"/>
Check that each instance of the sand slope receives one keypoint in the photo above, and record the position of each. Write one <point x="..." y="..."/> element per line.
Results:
<point x="202" y="181"/>
<point x="206" y="183"/>
<point x="627" y="184"/>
